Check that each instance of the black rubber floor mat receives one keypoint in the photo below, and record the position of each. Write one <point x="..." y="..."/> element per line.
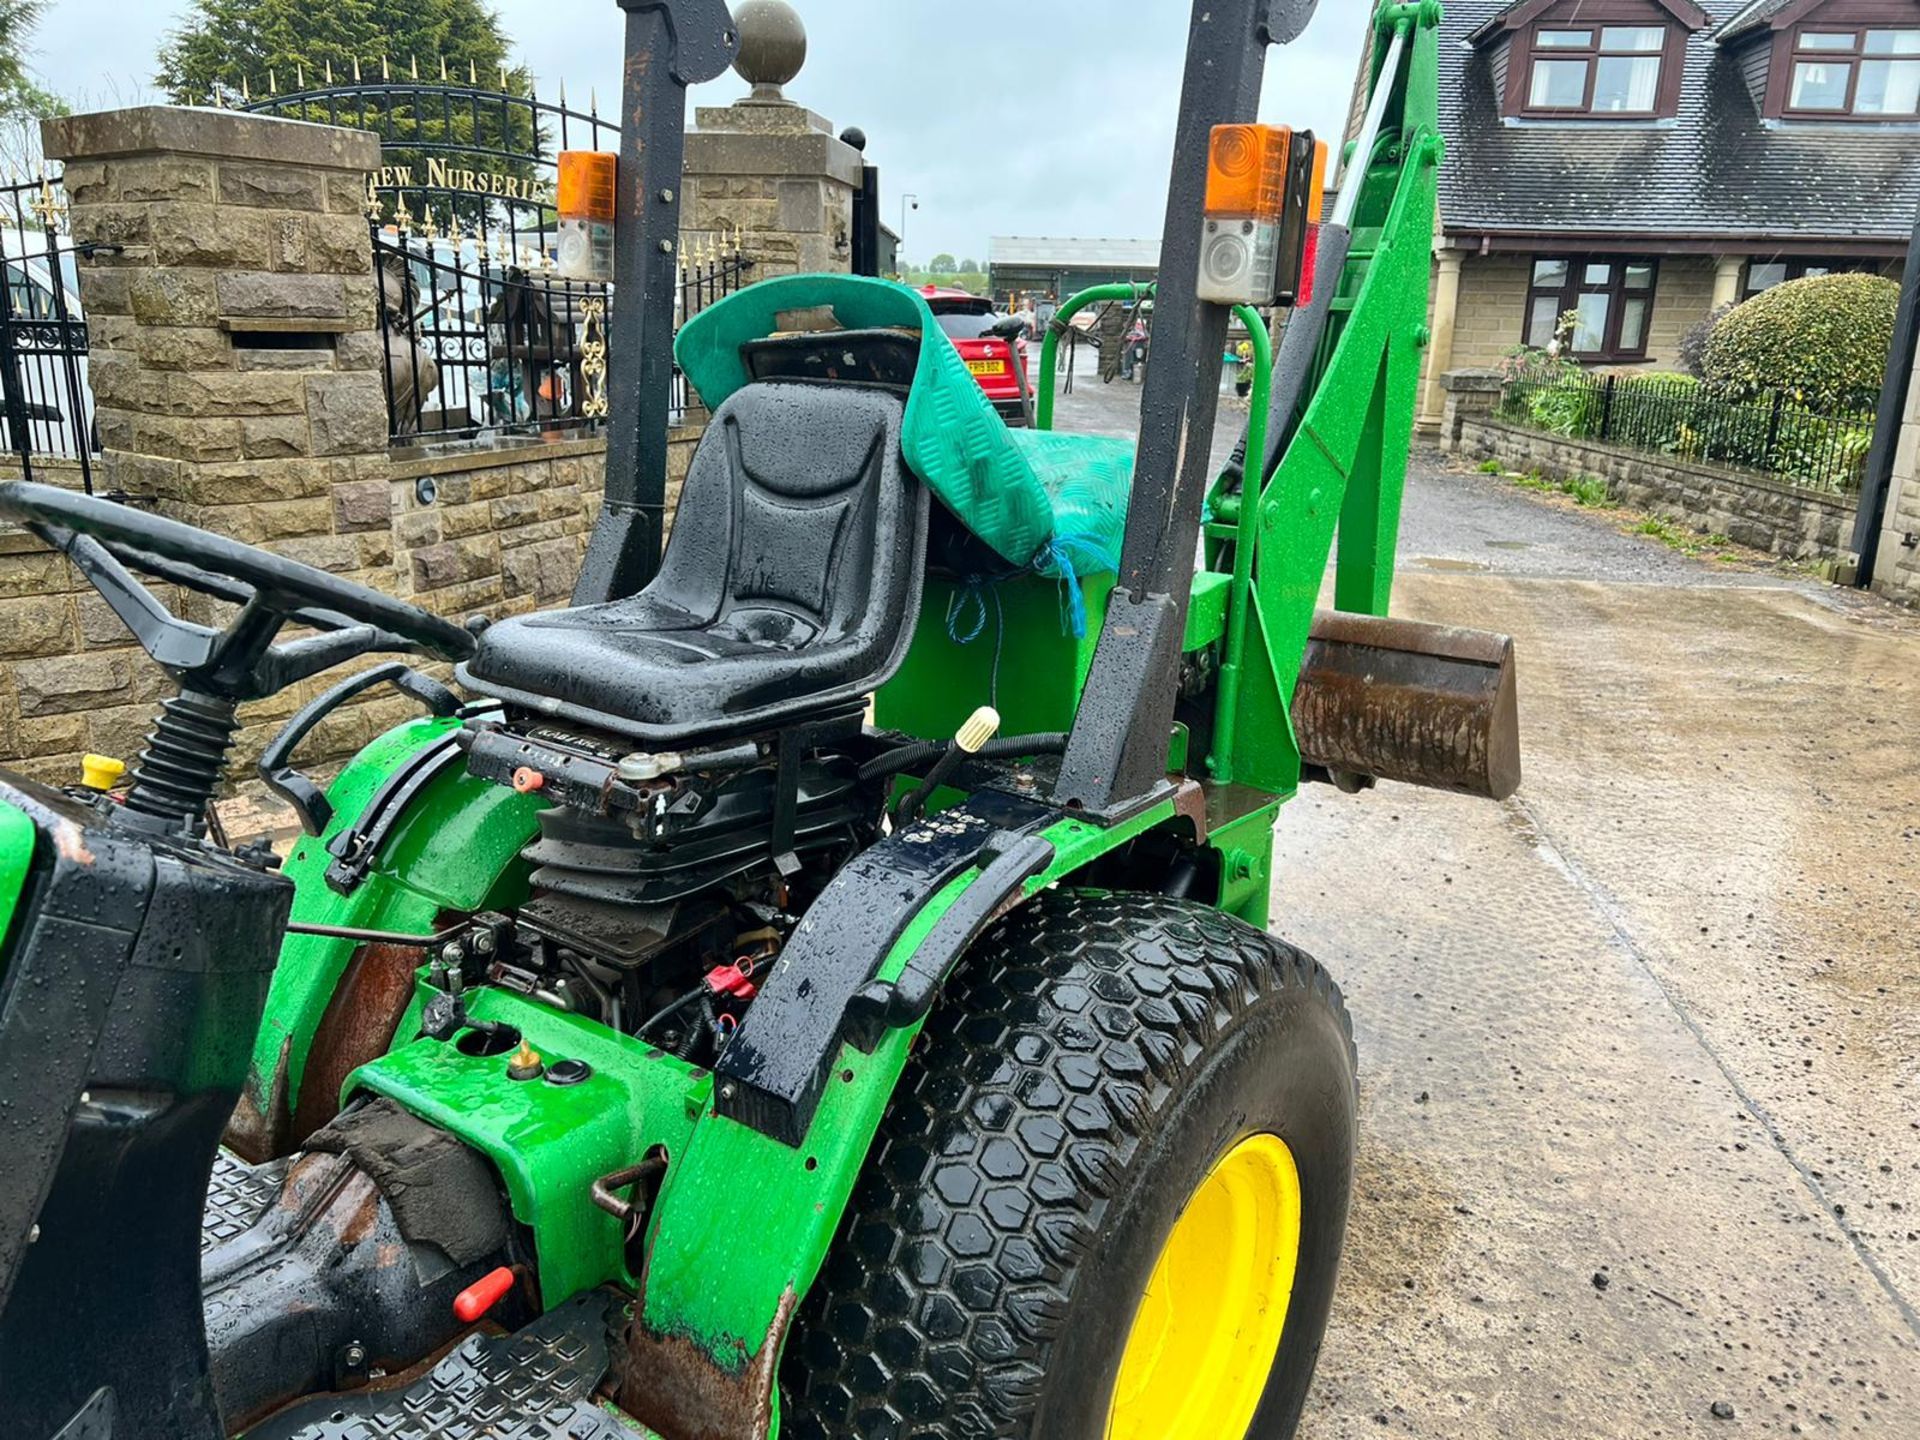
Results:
<point x="536" y="1384"/>
<point x="237" y="1195"/>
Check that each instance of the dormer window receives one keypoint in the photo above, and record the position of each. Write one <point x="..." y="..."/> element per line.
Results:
<point x="1590" y="60"/>
<point x="1597" y="70"/>
<point x="1865" y="73"/>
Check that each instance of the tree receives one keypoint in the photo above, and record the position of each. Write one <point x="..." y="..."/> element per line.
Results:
<point x="20" y="98"/>
<point x="942" y="264"/>
<point x="969" y="267"/>
<point x="224" y="43"/>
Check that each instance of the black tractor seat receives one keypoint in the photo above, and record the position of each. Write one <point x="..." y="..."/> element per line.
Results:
<point x="788" y="589"/>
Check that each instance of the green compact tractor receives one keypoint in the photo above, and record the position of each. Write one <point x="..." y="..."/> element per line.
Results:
<point x="817" y="985"/>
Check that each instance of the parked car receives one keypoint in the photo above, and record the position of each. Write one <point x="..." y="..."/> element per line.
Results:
<point x="43" y="370"/>
<point x="988" y="341"/>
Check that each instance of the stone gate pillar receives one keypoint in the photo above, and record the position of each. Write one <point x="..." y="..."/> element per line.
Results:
<point x="767" y="173"/>
<point x="1897" y="569"/>
<point x="232" y="315"/>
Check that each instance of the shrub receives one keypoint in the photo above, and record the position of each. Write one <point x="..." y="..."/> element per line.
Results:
<point x="1823" y="341"/>
<point x="1565" y="407"/>
<point x="1693" y="344"/>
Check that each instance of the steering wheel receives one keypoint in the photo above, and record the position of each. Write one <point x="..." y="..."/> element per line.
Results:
<point x="107" y="541"/>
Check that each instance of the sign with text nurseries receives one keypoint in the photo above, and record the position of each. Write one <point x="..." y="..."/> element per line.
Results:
<point x="443" y="176"/>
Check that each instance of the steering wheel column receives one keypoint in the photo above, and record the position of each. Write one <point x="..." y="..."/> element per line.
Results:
<point x="217" y="670"/>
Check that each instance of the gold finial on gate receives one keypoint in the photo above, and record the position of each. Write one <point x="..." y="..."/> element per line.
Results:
<point x="328" y="62"/>
<point x="356" y="69"/>
<point x="429" y="227"/>
<point x="473" y="73"/>
<point x="373" y="200"/>
<point x="50" y="210"/>
<point x="455" y="235"/>
<point x="413" y="71"/>
<point x="443" y="69"/>
<point x="402" y="216"/>
<point x="386" y="75"/>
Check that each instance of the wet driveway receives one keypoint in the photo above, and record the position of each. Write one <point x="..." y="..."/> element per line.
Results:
<point x="1640" y="1049"/>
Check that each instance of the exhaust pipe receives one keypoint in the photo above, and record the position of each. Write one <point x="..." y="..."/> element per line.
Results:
<point x="1423" y="704"/>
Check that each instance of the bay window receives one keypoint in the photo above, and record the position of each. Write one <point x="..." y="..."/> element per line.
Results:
<point x="1609" y="301"/>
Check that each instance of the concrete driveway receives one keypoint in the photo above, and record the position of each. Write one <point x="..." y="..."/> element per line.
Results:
<point x="1640" y="1049"/>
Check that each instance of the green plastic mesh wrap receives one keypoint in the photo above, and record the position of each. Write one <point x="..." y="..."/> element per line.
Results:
<point x="1057" y="503"/>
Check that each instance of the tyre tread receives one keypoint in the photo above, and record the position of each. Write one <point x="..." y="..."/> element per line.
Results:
<point x="1043" y="1067"/>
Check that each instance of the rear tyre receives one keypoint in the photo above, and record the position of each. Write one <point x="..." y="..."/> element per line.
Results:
<point x="1108" y="1200"/>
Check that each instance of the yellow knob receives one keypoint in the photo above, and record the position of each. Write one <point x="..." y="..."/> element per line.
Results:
<point x="99" y="772"/>
<point x="981" y="727"/>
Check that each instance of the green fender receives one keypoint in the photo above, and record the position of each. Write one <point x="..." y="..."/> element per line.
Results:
<point x="455" y="850"/>
<point x="744" y="1223"/>
<point x="17" y="836"/>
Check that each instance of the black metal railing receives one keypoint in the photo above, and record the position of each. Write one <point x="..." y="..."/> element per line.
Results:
<point x="481" y="339"/>
<point x="1676" y="415"/>
<point x="46" y="406"/>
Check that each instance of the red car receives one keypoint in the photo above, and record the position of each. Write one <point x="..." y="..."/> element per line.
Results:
<point x="997" y="362"/>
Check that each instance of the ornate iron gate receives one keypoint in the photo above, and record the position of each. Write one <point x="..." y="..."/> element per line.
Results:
<point x="46" y="408"/>
<point x="481" y="336"/>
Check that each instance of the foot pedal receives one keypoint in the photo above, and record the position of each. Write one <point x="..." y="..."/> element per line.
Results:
<point x="536" y="1384"/>
<point x="237" y="1195"/>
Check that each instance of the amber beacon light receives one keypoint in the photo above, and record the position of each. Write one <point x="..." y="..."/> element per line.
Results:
<point x="1255" y="214"/>
<point x="583" y="200"/>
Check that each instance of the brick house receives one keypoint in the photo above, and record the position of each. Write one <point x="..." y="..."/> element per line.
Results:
<point x="1642" y="162"/>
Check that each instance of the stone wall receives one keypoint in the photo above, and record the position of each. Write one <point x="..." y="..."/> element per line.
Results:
<point x="504" y="535"/>
<point x="237" y="382"/>
<point x="1489" y="314"/>
<point x="1682" y="298"/>
<point x="1752" y="510"/>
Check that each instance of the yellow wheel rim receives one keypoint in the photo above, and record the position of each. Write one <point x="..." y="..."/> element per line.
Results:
<point x="1208" y="1328"/>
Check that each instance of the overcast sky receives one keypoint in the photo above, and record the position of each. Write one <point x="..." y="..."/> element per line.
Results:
<point x="1006" y="117"/>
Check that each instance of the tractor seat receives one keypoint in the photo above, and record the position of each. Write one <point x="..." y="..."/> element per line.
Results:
<point x="788" y="588"/>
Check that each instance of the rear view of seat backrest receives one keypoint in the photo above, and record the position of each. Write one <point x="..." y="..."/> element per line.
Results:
<point x="796" y="510"/>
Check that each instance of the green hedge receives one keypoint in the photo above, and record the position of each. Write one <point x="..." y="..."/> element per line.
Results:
<point x="1823" y="341"/>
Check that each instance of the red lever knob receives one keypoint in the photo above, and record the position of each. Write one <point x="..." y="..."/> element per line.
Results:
<point x="482" y="1295"/>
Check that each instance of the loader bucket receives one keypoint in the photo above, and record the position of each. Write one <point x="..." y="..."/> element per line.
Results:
<point x="1404" y="700"/>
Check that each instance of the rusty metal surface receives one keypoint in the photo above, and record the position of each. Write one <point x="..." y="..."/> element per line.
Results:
<point x="1430" y="705"/>
<point x="536" y="1384"/>
<point x="258" y="1134"/>
<point x="358" y="1026"/>
<point x="675" y="1385"/>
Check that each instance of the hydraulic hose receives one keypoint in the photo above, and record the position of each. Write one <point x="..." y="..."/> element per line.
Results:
<point x="1009" y="747"/>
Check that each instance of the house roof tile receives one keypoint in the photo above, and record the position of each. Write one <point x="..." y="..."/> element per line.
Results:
<point x="1716" y="171"/>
